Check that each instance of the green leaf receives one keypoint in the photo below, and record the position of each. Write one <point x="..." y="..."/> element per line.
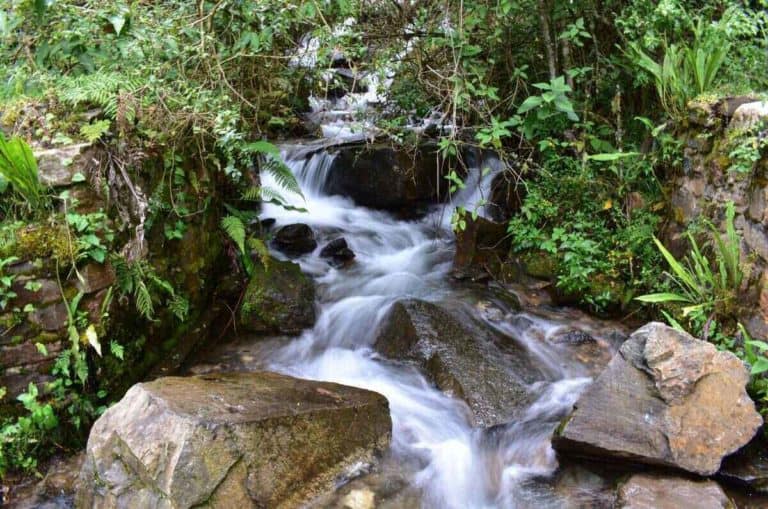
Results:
<point x="532" y="102"/>
<point x="262" y="147"/>
<point x="118" y="22"/>
<point x="654" y="298"/>
<point x="612" y="156"/>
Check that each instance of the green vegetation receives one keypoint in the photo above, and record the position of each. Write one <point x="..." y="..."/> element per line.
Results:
<point x="586" y="102"/>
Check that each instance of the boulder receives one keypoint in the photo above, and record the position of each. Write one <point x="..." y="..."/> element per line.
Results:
<point x="648" y="491"/>
<point x="295" y="239"/>
<point x="749" y="114"/>
<point x="279" y="299"/>
<point x="459" y="360"/>
<point x="229" y="440"/>
<point x="665" y="398"/>
<point x="337" y="252"/>
<point x="480" y="247"/>
<point x="380" y="176"/>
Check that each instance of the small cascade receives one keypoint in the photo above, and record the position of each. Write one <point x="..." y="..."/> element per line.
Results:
<point x="446" y="460"/>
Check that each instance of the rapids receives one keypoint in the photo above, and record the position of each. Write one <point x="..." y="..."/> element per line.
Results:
<point x="447" y="462"/>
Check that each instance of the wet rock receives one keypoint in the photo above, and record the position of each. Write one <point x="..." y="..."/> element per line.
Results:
<point x="749" y="466"/>
<point x="380" y="176"/>
<point x="295" y="239"/>
<point x="507" y="195"/>
<point x="665" y="399"/>
<point x="572" y="337"/>
<point x="50" y="318"/>
<point x="337" y="252"/>
<point x="749" y="114"/>
<point x="460" y="361"/>
<point x="57" y="167"/>
<point x="279" y="299"/>
<point x="30" y="290"/>
<point x="648" y="491"/>
<point x="480" y="247"/>
<point x="95" y="277"/>
<point x="229" y="440"/>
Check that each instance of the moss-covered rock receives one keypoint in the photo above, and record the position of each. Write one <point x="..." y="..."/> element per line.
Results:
<point x="229" y="440"/>
<point x="279" y="299"/>
<point x="39" y="241"/>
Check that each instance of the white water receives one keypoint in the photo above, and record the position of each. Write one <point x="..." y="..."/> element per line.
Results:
<point x="456" y="465"/>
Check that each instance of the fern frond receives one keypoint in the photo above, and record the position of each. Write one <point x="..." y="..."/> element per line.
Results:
<point x="235" y="228"/>
<point x="253" y="193"/>
<point x="101" y="88"/>
<point x="261" y="250"/>
<point x="179" y="306"/>
<point x="275" y="166"/>
<point x="144" y="301"/>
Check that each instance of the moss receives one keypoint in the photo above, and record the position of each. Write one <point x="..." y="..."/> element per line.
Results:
<point x="540" y="265"/>
<point x="46" y="337"/>
<point x="32" y="242"/>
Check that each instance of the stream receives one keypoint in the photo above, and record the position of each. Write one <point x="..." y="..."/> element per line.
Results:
<point x="441" y="458"/>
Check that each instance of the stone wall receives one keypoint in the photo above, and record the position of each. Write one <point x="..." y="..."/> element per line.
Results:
<point x="33" y="326"/>
<point x="708" y="181"/>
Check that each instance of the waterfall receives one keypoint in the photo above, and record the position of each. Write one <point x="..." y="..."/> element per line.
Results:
<point x="450" y="463"/>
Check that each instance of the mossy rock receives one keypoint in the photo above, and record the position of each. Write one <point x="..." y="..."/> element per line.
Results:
<point x="279" y="299"/>
<point x="540" y="265"/>
<point x="38" y="241"/>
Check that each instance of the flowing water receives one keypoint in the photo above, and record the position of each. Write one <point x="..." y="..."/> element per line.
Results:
<point x="447" y="461"/>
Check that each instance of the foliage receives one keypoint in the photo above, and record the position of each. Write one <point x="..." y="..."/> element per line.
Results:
<point x="6" y="282"/>
<point x="747" y="148"/>
<point x="91" y="230"/>
<point x="706" y="290"/>
<point x="137" y="279"/>
<point x="553" y="101"/>
<point x="22" y="438"/>
<point x="601" y="251"/>
<point x="19" y="168"/>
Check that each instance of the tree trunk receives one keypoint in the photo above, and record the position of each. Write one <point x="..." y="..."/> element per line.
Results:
<point x="546" y="34"/>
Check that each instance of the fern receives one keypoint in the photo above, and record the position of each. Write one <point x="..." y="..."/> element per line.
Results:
<point x="139" y="280"/>
<point x="282" y="174"/>
<point x="179" y="306"/>
<point x="102" y="89"/>
<point x="272" y="163"/>
<point x="253" y="193"/>
<point x="261" y="250"/>
<point x="94" y="131"/>
<point x="143" y="300"/>
<point x="234" y="227"/>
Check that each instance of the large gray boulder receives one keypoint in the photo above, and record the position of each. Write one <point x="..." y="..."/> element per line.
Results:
<point x="229" y="440"/>
<point x="279" y="299"/>
<point x="460" y="360"/>
<point x="665" y="398"/>
<point x="648" y="491"/>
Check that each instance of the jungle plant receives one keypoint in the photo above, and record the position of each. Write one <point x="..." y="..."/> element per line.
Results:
<point x="686" y="69"/>
<point x="19" y="168"/>
<point x="137" y="279"/>
<point x="706" y="289"/>
<point x="22" y="438"/>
